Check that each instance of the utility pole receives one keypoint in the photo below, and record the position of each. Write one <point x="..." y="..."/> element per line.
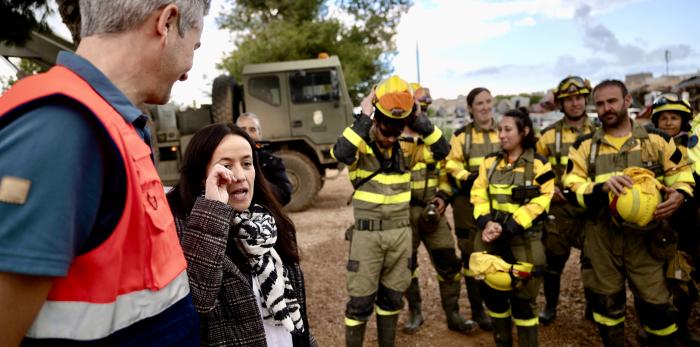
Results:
<point x="417" y="62"/>
<point x="667" y="57"/>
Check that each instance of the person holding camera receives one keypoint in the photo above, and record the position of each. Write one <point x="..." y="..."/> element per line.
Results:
<point x="511" y="196"/>
<point x="430" y="193"/>
<point x="380" y="240"/>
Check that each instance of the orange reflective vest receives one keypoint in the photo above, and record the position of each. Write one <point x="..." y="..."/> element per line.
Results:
<point x="140" y="270"/>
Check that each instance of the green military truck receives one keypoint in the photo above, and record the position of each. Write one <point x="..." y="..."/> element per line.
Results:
<point x="303" y="107"/>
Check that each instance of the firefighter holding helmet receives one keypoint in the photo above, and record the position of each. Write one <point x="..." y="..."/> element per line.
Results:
<point x="616" y="249"/>
<point x="511" y="195"/>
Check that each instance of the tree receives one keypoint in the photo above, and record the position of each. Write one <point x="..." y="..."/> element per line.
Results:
<point x="23" y="16"/>
<point x="277" y="30"/>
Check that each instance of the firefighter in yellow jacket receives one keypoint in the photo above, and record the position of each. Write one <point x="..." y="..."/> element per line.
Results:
<point x="563" y="228"/>
<point x="469" y="145"/>
<point x="671" y="114"/>
<point x="430" y="191"/>
<point x="511" y="196"/>
<point x="615" y="251"/>
<point x="380" y="241"/>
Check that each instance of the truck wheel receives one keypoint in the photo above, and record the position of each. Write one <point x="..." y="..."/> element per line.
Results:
<point x="222" y="99"/>
<point x="305" y="179"/>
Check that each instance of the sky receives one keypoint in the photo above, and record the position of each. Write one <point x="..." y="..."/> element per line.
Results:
<point x="508" y="46"/>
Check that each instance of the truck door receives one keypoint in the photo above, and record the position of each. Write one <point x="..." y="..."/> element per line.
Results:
<point x="316" y="108"/>
<point x="264" y="98"/>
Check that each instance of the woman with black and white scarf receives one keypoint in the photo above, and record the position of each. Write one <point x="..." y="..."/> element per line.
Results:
<point x="241" y="250"/>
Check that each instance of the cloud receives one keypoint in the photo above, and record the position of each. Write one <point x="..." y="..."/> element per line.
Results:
<point x="486" y="71"/>
<point x="526" y="22"/>
<point x="612" y="57"/>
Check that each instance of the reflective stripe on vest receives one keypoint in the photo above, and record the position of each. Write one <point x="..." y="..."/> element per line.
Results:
<point x="130" y="285"/>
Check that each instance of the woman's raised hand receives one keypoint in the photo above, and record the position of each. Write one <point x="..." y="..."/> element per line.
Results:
<point x="216" y="185"/>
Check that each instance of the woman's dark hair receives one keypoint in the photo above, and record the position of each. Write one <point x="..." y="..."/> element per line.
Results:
<point x="472" y="95"/>
<point x="193" y="174"/>
<point x="522" y="120"/>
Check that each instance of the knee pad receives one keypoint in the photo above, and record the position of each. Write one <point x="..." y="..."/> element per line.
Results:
<point x="388" y="299"/>
<point x="447" y="265"/>
<point x="360" y="308"/>
<point x="496" y="301"/>
<point x="610" y="307"/>
<point x="657" y="319"/>
<point x="521" y="308"/>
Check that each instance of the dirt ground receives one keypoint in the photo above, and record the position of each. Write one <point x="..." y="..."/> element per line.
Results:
<point x="324" y="254"/>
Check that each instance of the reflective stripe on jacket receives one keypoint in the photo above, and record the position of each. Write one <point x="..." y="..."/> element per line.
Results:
<point x="593" y="160"/>
<point x="494" y="193"/>
<point x="555" y="141"/>
<point x="482" y="142"/>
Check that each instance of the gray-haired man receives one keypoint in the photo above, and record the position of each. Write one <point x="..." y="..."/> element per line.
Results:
<point x="88" y="248"/>
<point x="272" y="166"/>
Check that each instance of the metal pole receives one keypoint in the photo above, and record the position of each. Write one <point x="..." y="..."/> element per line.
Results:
<point x="417" y="62"/>
<point x="667" y="57"/>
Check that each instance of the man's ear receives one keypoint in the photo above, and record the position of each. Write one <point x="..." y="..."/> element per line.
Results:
<point x="166" y="21"/>
<point x="526" y="131"/>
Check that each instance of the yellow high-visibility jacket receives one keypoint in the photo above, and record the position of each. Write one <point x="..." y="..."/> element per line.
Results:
<point x="492" y="193"/>
<point x="469" y="145"/>
<point x="593" y="160"/>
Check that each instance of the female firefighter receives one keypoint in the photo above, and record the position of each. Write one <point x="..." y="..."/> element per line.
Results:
<point x="511" y="196"/>
<point x="672" y="115"/>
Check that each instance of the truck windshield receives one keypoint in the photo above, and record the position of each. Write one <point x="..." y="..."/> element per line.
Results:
<point x="313" y="86"/>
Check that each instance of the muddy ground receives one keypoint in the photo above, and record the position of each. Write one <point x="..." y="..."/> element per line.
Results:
<point x="324" y="254"/>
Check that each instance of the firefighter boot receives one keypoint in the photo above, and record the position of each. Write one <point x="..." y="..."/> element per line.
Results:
<point x="686" y="336"/>
<point x="527" y="336"/>
<point x="449" y="294"/>
<point x="613" y="336"/>
<point x="386" y="329"/>
<point x="478" y="312"/>
<point x="588" y="313"/>
<point x="661" y="341"/>
<point x="415" y="318"/>
<point x="502" y="332"/>
<point x="551" y="294"/>
<point x="354" y="335"/>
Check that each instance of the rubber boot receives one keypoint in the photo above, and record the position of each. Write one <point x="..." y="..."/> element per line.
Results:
<point x="503" y="332"/>
<point x="588" y="295"/>
<point x="661" y="341"/>
<point x="478" y="312"/>
<point x="415" y="318"/>
<point x="354" y="335"/>
<point x="449" y="294"/>
<point x="551" y="295"/>
<point x="613" y="336"/>
<point x="386" y="329"/>
<point x="527" y="336"/>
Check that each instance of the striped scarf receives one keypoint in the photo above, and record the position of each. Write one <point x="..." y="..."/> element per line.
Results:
<point x="257" y="235"/>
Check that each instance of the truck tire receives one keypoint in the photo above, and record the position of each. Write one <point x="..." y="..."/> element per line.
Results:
<point x="305" y="179"/>
<point x="222" y="99"/>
